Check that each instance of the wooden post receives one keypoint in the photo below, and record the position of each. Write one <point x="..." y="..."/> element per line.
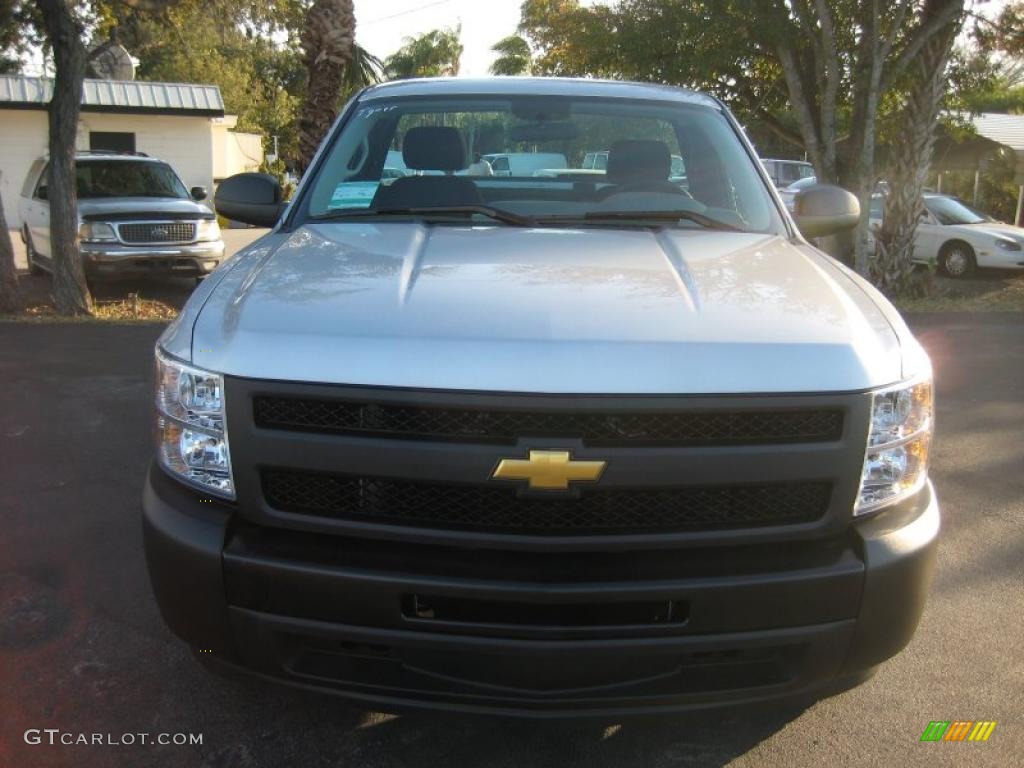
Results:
<point x="1020" y="207"/>
<point x="977" y="186"/>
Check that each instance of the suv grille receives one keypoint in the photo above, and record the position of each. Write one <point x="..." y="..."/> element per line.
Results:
<point x="602" y="428"/>
<point x="690" y="508"/>
<point x="158" y="232"/>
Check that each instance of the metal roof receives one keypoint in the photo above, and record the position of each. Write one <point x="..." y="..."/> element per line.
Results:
<point x="134" y="96"/>
<point x="536" y="86"/>
<point x="1007" y="130"/>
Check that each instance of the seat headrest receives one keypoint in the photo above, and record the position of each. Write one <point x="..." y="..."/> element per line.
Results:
<point x="433" y="148"/>
<point x="631" y="161"/>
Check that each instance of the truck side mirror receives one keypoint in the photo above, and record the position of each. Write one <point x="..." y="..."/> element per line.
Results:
<point x="251" y="198"/>
<point x="825" y="210"/>
<point x="198" y="193"/>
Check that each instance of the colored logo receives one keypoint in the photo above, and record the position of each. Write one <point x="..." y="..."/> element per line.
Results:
<point x="549" y="470"/>
<point x="958" y="730"/>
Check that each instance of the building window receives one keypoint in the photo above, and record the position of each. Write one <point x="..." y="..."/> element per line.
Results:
<point x="110" y="141"/>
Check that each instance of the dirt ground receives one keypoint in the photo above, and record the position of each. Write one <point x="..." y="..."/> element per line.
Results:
<point x="137" y="299"/>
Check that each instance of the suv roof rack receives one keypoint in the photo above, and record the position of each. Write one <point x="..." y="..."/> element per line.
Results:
<point x="110" y="152"/>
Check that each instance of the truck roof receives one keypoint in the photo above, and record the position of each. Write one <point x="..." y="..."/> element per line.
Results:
<point x="536" y="86"/>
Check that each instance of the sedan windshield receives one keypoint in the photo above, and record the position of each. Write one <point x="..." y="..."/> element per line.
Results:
<point x="127" y="178"/>
<point x="541" y="161"/>
<point x="950" y="211"/>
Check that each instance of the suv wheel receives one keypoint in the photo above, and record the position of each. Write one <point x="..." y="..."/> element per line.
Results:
<point x="957" y="259"/>
<point x="33" y="268"/>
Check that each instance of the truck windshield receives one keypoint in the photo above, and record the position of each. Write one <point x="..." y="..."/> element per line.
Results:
<point x="548" y="161"/>
<point x="127" y="178"/>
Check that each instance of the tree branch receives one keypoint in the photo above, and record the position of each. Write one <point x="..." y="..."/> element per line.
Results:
<point x="925" y="32"/>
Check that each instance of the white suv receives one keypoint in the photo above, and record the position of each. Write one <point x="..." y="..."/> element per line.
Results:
<point x="135" y="218"/>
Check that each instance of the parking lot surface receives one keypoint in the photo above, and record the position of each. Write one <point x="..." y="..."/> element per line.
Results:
<point x="83" y="649"/>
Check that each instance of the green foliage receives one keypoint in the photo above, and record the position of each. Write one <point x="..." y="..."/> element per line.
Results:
<point x="246" y="47"/>
<point x="723" y="48"/>
<point x="1005" y="34"/>
<point x="997" y="194"/>
<point x="364" y="70"/>
<point x="19" y="31"/>
<point x="433" y="54"/>
<point x="279" y="170"/>
<point x="514" y="57"/>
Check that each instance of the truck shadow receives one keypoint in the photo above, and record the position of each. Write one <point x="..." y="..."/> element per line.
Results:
<point x="334" y="733"/>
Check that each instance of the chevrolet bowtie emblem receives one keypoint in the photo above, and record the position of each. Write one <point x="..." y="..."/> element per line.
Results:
<point x="548" y="470"/>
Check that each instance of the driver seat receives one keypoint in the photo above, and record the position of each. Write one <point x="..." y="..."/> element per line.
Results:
<point x="642" y="164"/>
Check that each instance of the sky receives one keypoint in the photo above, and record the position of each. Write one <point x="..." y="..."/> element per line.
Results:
<point x="381" y="26"/>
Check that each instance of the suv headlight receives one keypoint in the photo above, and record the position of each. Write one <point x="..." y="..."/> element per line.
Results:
<point x="207" y="230"/>
<point x="191" y="430"/>
<point x="896" y="460"/>
<point x="97" y="232"/>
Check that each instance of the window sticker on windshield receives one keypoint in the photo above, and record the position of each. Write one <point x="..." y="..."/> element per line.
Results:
<point x="353" y="194"/>
<point x="365" y="112"/>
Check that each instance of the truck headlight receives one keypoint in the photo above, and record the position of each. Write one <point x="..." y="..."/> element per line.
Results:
<point x="896" y="459"/>
<point x="207" y="230"/>
<point x="97" y="232"/>
<point x="191" y="430"/>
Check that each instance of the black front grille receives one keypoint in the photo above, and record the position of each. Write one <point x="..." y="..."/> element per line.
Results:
<point x="600" y="511"/>
<point x="505" y="426"/>
<point x="158" y="232"/>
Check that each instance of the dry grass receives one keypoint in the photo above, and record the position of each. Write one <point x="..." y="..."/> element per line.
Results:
<point x="132" y="309"/>
<point x="140" y="301"/>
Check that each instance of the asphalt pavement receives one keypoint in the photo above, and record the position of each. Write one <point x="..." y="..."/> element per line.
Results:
<point x="83" y="649"/>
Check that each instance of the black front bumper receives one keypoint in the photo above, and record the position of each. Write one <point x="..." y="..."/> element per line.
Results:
<point x="340" y="614"/>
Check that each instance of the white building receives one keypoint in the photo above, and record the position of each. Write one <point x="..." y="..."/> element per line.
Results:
<point x="179" y="123"/>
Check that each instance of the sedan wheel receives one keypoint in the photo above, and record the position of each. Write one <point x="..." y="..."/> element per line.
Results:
<point x="957" y="260"/>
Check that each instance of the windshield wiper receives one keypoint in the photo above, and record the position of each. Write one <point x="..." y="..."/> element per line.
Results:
<point x="697" y="218"/>
<point x="497" y="214"/>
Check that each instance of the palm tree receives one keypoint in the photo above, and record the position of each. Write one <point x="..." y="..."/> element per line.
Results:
<point x="514" y="56"/>
<point x="364" y="69"/>
<point x="327" y="39"/>
<point x="433" y="54"/>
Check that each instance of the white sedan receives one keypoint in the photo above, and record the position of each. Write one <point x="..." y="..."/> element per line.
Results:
<point x="959" y="239"/>
<point x="788" y="194"/>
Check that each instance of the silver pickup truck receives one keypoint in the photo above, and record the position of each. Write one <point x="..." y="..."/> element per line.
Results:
<point x="540" y="446"/>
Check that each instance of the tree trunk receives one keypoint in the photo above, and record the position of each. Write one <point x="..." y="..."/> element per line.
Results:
<point x="892" y="268"/>
<point x="327" y="40"/>
<point x="10" y="300"/>
<point x="64" y="35"/>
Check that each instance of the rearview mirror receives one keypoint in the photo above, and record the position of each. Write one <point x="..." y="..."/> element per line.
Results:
<point x="825" y="210"/>
<point x="251" y="198"/>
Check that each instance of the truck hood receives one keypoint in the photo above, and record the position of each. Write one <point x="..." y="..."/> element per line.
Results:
<point x="169" y="206"/>
<point x="545" y="310"/>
